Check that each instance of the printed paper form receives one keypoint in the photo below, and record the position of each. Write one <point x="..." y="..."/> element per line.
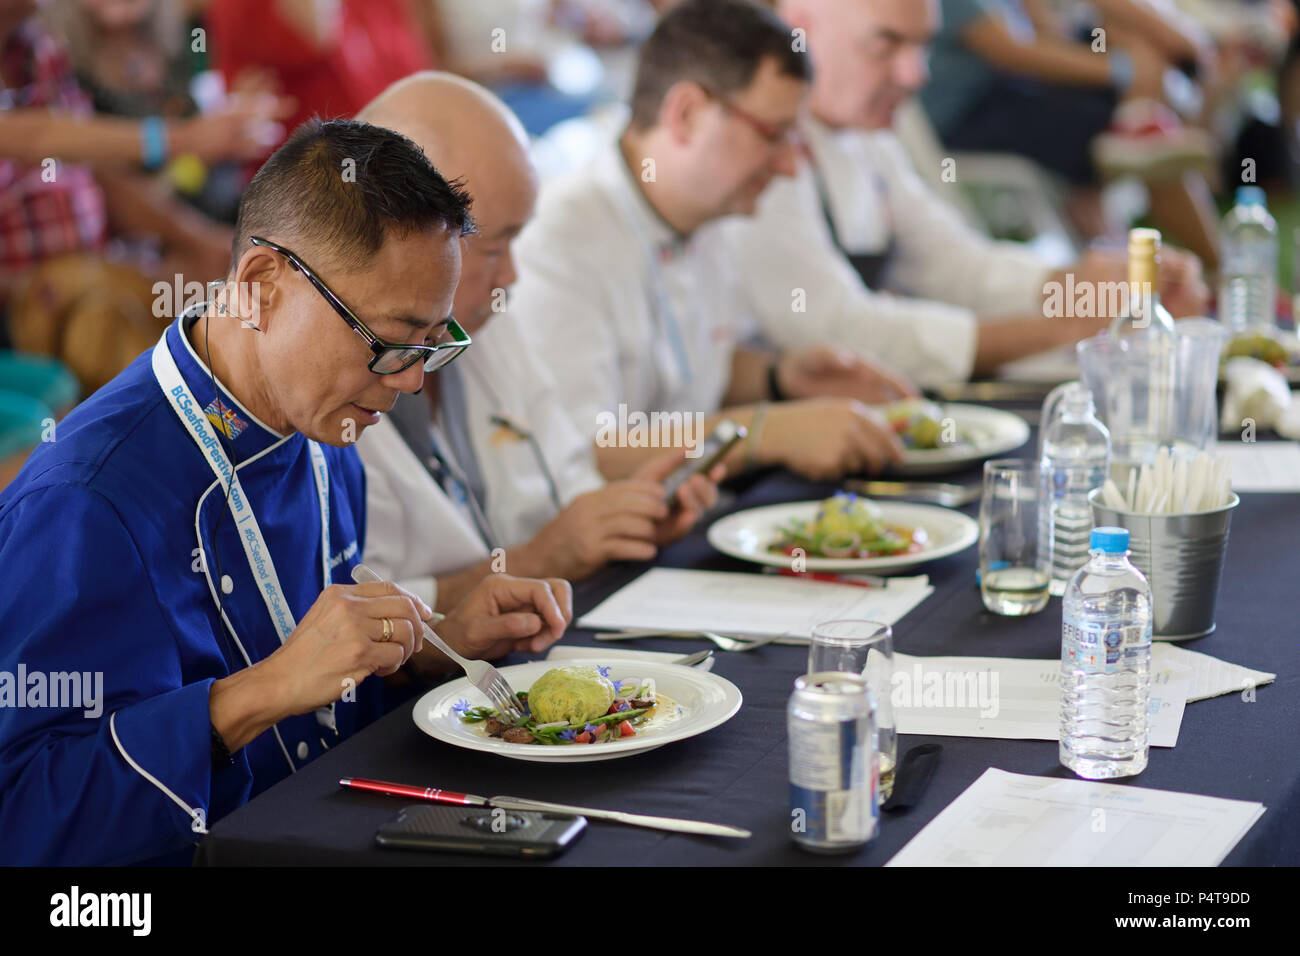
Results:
<point x="732" y="602"/>
<point x="1262" y="466"/>
<point x="1209" y="676"/>
<point x="1008" y="819"/>
<point x="1019" y="699"/>
<point x="1010" y="698"/>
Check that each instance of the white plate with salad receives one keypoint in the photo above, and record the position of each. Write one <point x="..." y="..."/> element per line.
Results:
<point x="844" y="533"/>
<point x="587" y="710"/>
<point x="946" y="438"/>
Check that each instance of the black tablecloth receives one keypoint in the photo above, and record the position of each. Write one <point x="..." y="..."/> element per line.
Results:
<point x="736" y="773"/>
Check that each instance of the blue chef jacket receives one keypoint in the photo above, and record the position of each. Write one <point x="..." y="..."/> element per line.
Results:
<point x="102" y="538"/>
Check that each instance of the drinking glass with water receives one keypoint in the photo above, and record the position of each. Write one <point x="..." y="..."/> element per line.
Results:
<point x="1012" y="578"/>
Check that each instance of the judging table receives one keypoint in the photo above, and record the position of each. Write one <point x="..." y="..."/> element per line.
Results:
<point x="737" y="773"/>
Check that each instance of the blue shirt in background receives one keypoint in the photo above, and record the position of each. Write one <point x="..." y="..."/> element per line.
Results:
<point x="959" y="77"/>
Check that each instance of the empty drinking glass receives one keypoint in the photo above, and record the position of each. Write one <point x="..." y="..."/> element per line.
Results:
<point x="866" y="648"/>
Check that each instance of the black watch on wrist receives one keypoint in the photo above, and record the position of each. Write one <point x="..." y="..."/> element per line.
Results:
<point x="773" y="385"/>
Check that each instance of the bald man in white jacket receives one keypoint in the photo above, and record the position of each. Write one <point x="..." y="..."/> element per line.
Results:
<point x="483" y="471"/>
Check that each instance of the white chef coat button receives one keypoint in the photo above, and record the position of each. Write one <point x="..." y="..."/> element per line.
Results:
<point x="227" y="584"/>
<point x="302" y="750"/>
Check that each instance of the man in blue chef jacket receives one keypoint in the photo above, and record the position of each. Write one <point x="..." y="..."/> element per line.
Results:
<point x="173" y="641"/>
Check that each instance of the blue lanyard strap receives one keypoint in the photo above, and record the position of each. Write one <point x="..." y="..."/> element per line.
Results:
<point x="455" y="486"/>
<point x="664" y="313"/>
<point x="256" y="551"/>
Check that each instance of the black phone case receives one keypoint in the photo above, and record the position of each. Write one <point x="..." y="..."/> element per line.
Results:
<point x="488" y="830"/>
<point x="708" y="458"/>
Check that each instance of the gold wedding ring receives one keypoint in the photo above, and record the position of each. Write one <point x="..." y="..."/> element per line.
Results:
<point x="388" y="630"/>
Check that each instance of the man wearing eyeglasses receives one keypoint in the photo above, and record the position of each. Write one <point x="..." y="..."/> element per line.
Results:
<point x="887" y="264"/>
<point x="630" y="298"/>
<point x="179" y="629"/>
<point x="483" y="471"/>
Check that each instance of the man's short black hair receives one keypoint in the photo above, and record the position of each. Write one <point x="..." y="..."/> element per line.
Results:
<point x="341" y="187"/>
<point x="718" y="44"/>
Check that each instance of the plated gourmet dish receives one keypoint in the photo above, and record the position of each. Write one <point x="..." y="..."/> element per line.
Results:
<point x="578" y="704"/>
<point x="919" y="424"/>
<point x="848" y="526"/>
<point x="1277" y="349"/>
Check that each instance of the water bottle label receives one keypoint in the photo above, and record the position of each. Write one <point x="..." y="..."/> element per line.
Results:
<point x="1060" y="480"/>
<point x="1102" y="647"/>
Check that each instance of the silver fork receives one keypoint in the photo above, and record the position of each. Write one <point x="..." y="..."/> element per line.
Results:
<point x="750" y="645"/>
<point x="480" y="673"/>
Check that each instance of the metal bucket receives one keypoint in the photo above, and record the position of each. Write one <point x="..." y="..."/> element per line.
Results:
<point x="1182" y="558"/>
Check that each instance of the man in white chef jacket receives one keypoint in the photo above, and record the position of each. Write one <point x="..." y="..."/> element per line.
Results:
<point x="483" y="472"/>
<point x="630" y="298"/>
<point x="884" y="263"/>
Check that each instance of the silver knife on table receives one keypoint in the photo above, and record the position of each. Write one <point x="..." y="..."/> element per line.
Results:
<point x="618" y="816"/>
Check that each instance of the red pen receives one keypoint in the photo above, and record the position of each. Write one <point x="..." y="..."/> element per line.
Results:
<point x="414" y="793"/>
<point x="861" y="581"/>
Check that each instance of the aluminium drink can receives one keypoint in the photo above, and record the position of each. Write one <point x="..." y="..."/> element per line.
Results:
<point x="832" y="763"/>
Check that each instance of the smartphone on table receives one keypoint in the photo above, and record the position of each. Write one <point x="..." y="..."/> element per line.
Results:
<point x="488" y="830"/>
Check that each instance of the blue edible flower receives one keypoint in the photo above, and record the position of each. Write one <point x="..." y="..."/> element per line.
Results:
<point x="590" y="729"/>
<point x="461" y="706"/>
<point x="602" y="671"/>
<point x="618" y="687"/>
<point x="568" y="734"/>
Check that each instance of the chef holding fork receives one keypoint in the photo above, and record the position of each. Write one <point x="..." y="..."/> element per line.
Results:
<point x="187" y="538"/>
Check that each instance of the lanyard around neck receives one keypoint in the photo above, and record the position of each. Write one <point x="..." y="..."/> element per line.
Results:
<point x="502" y="420"/>
<point x="445" y="473"/>
<point x="661" y="306"/>
<point x="256" y="551"/>
<point x="196" y="423"/>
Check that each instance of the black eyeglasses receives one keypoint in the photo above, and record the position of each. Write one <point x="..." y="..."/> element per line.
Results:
<point x="775" y="136"/>
<point x="389" y="357"/>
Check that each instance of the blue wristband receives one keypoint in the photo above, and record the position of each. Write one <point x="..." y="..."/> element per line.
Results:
<point x="153" y="141"/>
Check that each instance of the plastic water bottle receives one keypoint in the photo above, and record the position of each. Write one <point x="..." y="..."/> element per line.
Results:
<point x="1076" y="459"/>
<point x="1248" y="275"/>
<point x="1106" y="663"/>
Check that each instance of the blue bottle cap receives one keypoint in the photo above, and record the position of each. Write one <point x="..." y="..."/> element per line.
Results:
<point x="1110" y="540"/>
<point x="1251" y="196"/>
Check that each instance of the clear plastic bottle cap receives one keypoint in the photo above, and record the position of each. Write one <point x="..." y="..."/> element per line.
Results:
<point x="1251" y="196"/>
<point x="1110" y="540"/>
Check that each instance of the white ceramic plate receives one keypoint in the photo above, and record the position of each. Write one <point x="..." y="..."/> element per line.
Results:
<point x="748" y="534"/>
<point x="982" y="433"/>
<point x="706" y="700"/>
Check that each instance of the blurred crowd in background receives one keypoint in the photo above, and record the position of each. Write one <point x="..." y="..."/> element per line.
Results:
<point x="128" y="129"/>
